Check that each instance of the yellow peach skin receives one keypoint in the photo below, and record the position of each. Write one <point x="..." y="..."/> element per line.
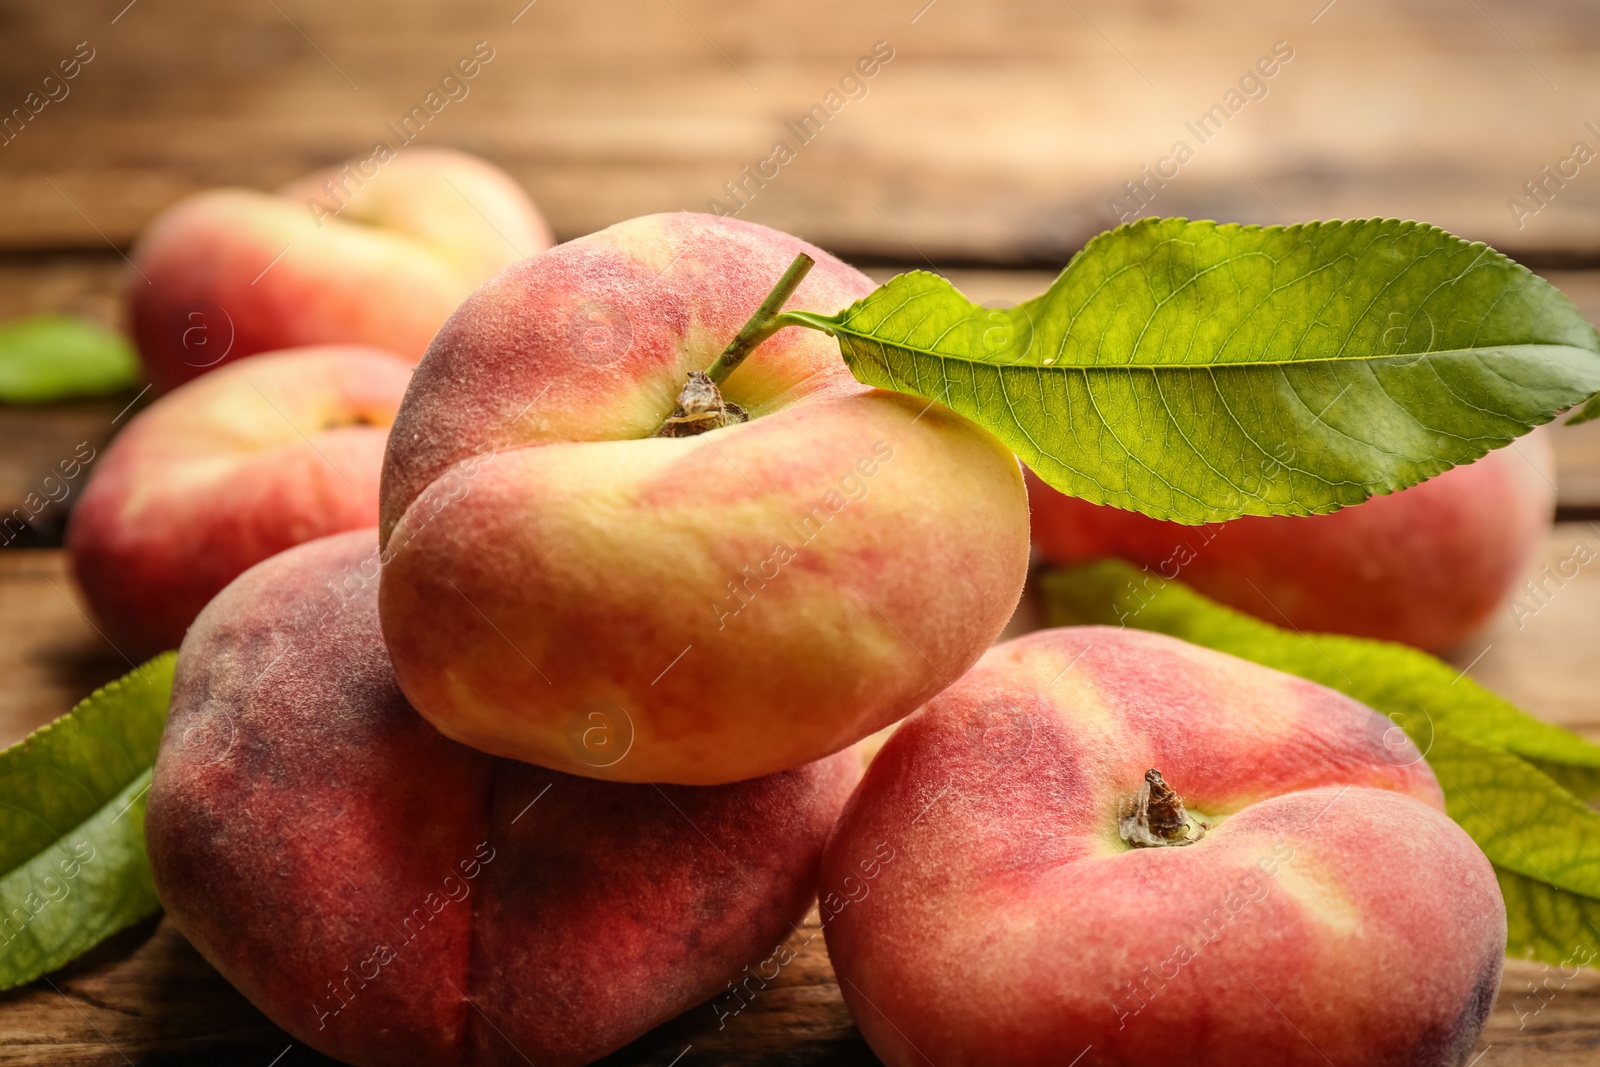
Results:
<point x="224" y="472"/>
<point x="562" y="587"/>
<point x="373" y="253"/>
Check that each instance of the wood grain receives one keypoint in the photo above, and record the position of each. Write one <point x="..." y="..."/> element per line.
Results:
<point x="51" y="655"/>
<point x="148" y="998"/>
<point x="998" y="133"/>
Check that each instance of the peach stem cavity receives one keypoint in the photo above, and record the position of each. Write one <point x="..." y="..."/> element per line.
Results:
<point x="700" y="408"/>
<point x="1155" y="817"/>
<point x="700" y="403"/>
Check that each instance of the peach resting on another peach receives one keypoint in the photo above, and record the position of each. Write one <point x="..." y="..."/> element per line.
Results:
<point x="751" y="598"/>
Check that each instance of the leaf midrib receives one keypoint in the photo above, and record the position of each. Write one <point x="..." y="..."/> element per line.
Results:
<point x="1065" y="365"/>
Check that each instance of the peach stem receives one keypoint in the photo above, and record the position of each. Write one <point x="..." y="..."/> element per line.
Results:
<point x="761" y="325"/>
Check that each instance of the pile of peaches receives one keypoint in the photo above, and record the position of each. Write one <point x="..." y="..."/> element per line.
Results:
<point x="526" y="697"/>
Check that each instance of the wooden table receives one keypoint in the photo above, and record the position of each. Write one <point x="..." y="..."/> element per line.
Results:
<point x="997" y="133"/>
<point x="991" y="146"/>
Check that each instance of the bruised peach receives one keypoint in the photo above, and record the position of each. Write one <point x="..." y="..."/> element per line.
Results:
<point x="1425" y="566"/>
<point x="375" y="252"/>
<point x="1013" y="884"/>
<point x="732" y="603"/>
<point x="391" y="897"/>
<point x="222" y="473"/>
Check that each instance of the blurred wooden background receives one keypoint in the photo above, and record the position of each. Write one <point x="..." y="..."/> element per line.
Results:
<point x="993" y="142"/>
<point x="996" y="134"/>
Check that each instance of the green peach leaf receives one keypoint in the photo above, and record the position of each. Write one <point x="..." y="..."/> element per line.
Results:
<point x="1488" y="755"/>
<point x="73" y="868"/>
<point x="1590" y="410"/>
<point x="1198" y="371"/>
<point x="55" y="357"/>
<point x="1581" y="782"/>
<point x="1540" y="839"/>
<point x="1523" y="820"/>
<point x="1548" y="924"/>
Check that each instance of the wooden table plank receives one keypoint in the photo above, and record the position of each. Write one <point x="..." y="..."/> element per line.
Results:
<point x="149" y="999"/>
<point x="51" y="655"/>
<point x="998" y="133"/>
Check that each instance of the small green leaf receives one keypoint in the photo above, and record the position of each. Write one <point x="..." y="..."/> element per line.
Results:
<point x="1492" y="760"/>
<point x="73" y="868"/>
<point x="1199" y="372"/>
<point x="54" y="357"/>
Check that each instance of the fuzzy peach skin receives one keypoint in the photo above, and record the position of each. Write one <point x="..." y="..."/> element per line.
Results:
<point x="366" y="253"/>
<point x="391" y="897"/>
<point x="1425" y="566"/>
<point x="981" y="907"/>
<point x="223" y="473"/>
<point x="742" y="601"/>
